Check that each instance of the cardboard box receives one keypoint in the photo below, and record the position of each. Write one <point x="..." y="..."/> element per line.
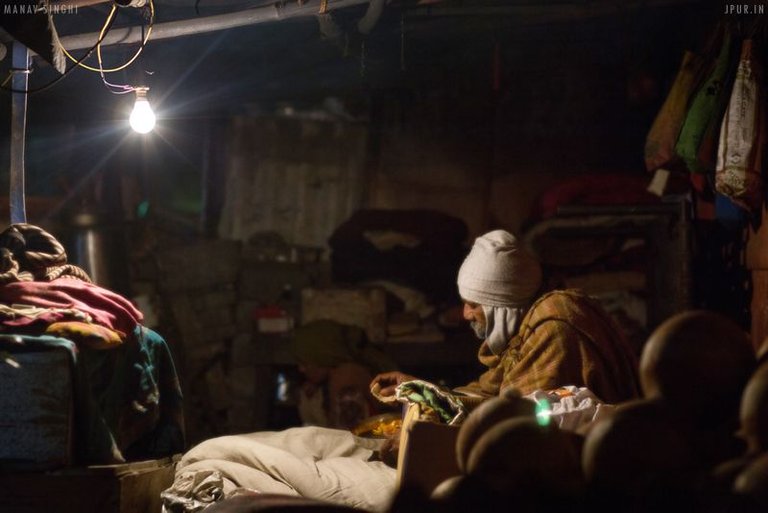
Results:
<point x="427" y="454"/>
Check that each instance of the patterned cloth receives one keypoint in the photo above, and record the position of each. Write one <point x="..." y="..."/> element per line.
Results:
<point x="566" y="338"/>
<point x="434" y="402"/>
<point x="23" y="315"/>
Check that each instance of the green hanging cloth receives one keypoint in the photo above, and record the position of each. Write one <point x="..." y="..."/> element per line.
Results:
<point x="697" y="142"/>
<point x="661" y="140"/>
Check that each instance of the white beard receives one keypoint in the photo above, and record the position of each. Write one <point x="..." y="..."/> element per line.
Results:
<point x="479" y="328"/>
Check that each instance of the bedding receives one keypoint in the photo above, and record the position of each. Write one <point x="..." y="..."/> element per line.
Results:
<point x="319" y="463"/>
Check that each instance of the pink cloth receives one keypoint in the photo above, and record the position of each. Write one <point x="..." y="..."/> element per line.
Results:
<point x="107" y="308"/>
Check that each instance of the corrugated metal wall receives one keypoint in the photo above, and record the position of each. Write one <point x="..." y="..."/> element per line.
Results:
<point x="298" y="177"/>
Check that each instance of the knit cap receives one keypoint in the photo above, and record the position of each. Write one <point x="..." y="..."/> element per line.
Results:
<point x="499" y="272"/>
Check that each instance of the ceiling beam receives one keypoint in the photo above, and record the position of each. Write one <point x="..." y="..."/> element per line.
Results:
<point x="78" y="3"/>
<point x="171" y="29"/>
<point x="531" y="13"/>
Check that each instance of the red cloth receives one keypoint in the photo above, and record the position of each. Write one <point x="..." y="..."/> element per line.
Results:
<point x="593" y="189"/>
<point x="107" y="308"/>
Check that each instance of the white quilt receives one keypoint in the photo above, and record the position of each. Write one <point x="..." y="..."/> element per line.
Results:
<point x="318" y="463"/>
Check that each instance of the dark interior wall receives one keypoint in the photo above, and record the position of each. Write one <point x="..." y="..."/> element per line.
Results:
<point x="472" y="115"/>
<point x="502" y="109"/>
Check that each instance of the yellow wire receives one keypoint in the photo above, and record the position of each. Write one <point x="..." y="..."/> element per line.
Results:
<point x="100" y="69"/>
<point x="106" y="24"/>
<point x="138" y="52"/>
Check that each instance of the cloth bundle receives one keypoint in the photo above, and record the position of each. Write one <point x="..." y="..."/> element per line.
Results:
<point x="28" y="253"/>
<point x="128" y="398"/>
<point x="38" y="288"/>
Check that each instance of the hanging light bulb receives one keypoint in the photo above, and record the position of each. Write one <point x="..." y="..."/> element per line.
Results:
<point x="142" y="117"/>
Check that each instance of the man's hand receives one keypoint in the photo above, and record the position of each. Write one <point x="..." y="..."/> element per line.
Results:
<point x="388" y="381"/>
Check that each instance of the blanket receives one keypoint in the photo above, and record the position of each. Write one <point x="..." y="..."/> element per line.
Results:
<point x="105" y="307"/>
<point x="319" y="463"/>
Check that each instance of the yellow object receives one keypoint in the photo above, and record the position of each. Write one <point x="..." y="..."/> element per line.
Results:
<point x="387" y="428"/>
<point x="92" y="335"/>
<point x="386" y="425"/>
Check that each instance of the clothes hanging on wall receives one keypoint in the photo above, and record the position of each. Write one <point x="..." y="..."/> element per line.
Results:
<point x="742" y="135"/>
<point x="660" y="143"/>
<point x="721" y="140"/>
<point x="705" y="112"/>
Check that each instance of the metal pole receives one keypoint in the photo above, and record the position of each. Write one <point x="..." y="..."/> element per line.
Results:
<point x="77" y="3"/>
<point x="274" y="12"/>
<point x="19" y="82"/>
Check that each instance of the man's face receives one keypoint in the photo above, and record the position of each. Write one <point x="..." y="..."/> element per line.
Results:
<point x="476" y="317"/>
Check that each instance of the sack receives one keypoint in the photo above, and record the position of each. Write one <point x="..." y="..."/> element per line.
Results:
<point x="739" y="156"/>
<point x="661" y="139"/>
<point x="701" y="126"/>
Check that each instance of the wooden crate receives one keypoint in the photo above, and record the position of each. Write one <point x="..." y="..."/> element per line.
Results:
<point x="125" y="488"/>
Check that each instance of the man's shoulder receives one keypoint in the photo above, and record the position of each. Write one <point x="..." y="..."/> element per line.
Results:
<point x="563" y="304"/>
<point x="561" y="298"/>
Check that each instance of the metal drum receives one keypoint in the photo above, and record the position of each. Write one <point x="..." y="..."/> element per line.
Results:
<point x="98" y="247"/>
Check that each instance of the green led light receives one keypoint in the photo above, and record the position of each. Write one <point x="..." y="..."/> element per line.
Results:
<point x="543" y="412"/>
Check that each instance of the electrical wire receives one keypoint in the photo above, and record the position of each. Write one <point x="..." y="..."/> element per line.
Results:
<point x="102" y="35"/>
<point x="62" y="76"/>
<point x="125" y="88"/>
<point x="101" y="69"/>
<point x="10" y="76"/>
<point x="141" y="48"/>
<point x="116" y="88"/>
